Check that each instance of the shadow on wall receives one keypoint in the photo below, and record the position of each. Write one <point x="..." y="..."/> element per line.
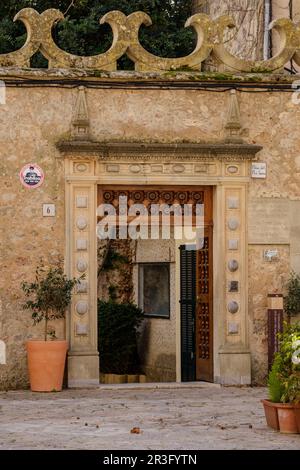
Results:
<point x="157" y="365"/>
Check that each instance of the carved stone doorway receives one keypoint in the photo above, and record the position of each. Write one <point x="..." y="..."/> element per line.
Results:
<point x="165" y="167"/>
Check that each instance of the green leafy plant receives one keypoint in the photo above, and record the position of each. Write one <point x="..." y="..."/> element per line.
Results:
<point x="113" y="259"/>
<point x="275" y="386"/>
<point x="49" y="295"/>
<point x="284" y="377"/>
<point x="292" y="299"/>
<point x="291" y="385"/>
<point x="118" y="325"/>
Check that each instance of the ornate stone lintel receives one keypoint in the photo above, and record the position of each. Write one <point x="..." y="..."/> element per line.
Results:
<point x="223" y="150"/>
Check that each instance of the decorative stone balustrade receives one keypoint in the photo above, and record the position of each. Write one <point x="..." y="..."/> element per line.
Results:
<point x="125" y="30"/>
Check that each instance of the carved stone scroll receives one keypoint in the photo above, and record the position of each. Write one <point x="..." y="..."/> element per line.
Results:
<point x="21" y="57"/>
<point x="106" y="61"/>
<point x="145" y="61"/>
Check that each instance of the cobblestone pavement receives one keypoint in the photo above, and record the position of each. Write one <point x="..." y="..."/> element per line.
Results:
<point x="204" y="417"/>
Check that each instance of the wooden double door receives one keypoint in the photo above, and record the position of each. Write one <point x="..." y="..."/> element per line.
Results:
<point x="196" y="302"/>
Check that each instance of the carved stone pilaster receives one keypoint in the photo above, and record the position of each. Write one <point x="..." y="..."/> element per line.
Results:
<point x="83" y="357"/>
<point x="234" y="353"/>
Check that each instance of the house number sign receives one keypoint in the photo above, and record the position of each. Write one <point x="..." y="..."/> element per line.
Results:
<point x="31" y="176"/>
<point x="48" y="210"/>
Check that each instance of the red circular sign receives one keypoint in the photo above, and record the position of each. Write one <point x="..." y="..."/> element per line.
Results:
<point x="31" y="176"/>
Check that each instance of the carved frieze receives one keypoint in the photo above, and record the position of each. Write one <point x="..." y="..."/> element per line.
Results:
<point x="152" y="196"/>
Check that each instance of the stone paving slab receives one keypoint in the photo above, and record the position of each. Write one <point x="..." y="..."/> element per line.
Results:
<point x="202" y="417"/>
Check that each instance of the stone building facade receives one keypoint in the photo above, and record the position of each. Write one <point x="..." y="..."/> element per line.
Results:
<point x="156" y="129"/>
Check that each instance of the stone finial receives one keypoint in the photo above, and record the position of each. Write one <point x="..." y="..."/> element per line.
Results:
<point x="81" y="121"/>
<point x="233" y="125"/>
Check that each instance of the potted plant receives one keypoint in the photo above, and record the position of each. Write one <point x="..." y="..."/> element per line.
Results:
<point x="282" y="410"/>
<point x="48" y="298"/>
<point x="118" y="325"/>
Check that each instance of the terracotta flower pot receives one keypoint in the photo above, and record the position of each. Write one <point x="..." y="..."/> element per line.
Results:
<point x="287" y="418"/>
<point x="271" y="414"/>
<point x="283" y="417"/>
<point x="46" y="364"/>
<point x="297" y="415"/>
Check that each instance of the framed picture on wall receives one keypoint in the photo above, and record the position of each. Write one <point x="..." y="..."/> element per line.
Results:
<point x="154" y="289"/>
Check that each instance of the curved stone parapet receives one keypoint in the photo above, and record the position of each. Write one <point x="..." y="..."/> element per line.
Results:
<point x="145" y="61"/>
<point x="107" y="61"/>
<point x="210" y="41"/>
<point x="21" y="57"/>
<point x="289" y="39"/>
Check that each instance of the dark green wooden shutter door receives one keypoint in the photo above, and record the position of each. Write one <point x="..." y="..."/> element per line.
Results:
<point x="187" y="311"/>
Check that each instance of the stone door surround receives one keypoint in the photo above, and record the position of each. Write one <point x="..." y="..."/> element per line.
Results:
<point x="224" y="166"/>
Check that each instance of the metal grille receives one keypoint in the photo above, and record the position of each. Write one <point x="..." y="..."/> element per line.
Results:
<point x="187" y="309"/>
<point x="203" y="343"/>
<point x="203" y="302"/>
<point x="203" y="268"/>
<point x="275" y="326"/>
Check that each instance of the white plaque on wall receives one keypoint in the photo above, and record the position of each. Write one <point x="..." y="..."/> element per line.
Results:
<point x="259" y="170"/>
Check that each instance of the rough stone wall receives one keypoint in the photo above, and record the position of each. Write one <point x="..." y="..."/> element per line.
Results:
<point x="273" y="279"/>
<point x="29" y="124"/>
<point x="33" y="119"/>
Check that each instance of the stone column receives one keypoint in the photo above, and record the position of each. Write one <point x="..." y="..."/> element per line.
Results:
<point x="81" y="259"/>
